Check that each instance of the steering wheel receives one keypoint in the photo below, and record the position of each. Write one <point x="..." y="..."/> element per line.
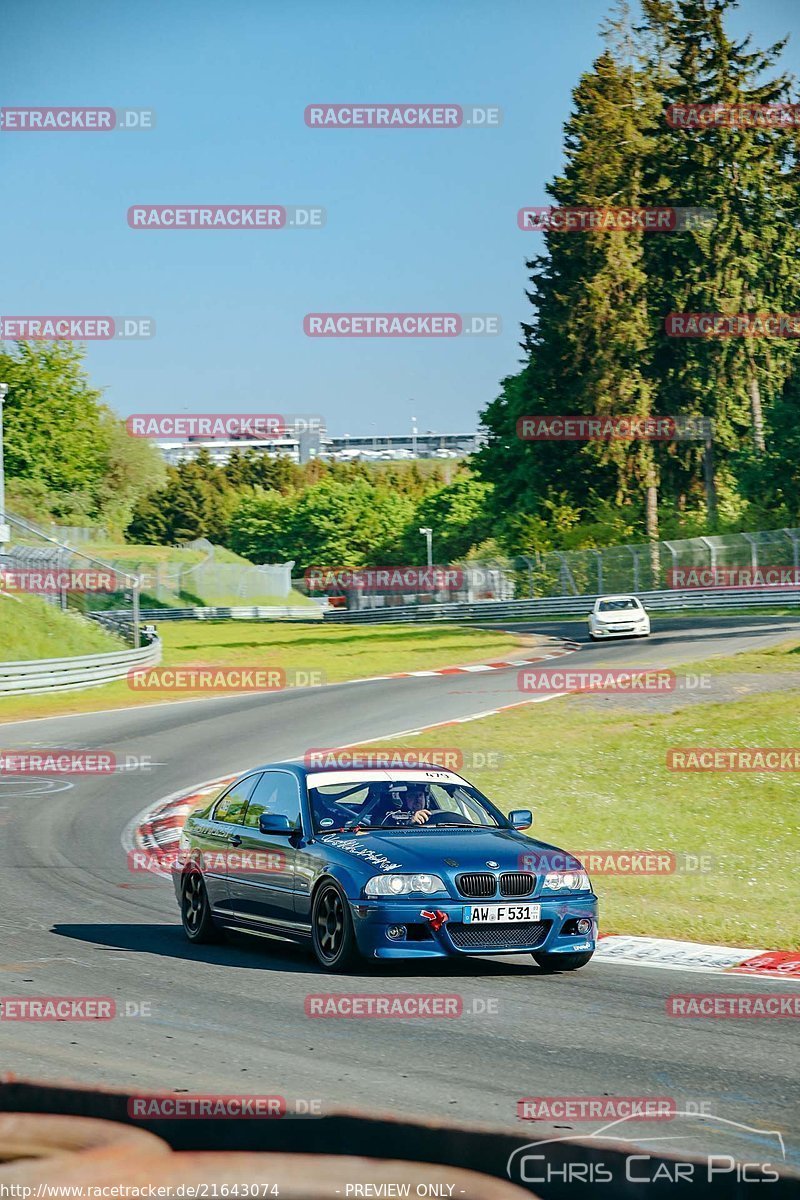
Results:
<point x="442" y="818"/>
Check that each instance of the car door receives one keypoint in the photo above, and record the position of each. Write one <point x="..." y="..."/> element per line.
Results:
<point x="261" y="882"/>
<point x="216" y="836"/>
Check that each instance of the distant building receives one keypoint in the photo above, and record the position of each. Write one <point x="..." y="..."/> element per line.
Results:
<point x="301" y="445"/>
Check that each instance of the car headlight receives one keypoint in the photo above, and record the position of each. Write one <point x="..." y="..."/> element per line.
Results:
<point x="562" y="881"/>
<point x="404" y="885"/>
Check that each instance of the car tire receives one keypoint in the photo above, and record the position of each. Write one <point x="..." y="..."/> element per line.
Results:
<point x="198" y="923"/>
<point x="332" y="933"/>
<point x="563" y="962"/>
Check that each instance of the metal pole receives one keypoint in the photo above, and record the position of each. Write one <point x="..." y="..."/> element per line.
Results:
<point x="136" y="625"/>
<point x="793" y="536"/>
<point x="4" y="530"/>
<point x="426" y="529"/>
<point x="599" y="571"/>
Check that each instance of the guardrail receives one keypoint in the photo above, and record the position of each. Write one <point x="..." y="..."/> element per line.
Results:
<point x="239" y="612"/>
<point x="568" y="606"/>
<point x="70" y="674"/>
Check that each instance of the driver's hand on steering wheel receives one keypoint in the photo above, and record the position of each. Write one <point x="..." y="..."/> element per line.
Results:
<point x="420" y="817"/>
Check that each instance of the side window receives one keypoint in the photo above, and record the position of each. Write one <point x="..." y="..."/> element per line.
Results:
<point x="278" y="793"/>
<point x="232" y="805"/>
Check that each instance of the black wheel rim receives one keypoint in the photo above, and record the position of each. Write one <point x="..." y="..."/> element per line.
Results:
<point x="193" y="902"/>
<point x="329" y="924"/>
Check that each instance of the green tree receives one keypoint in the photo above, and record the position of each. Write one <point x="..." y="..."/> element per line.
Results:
<point x="260" y="526"/>
<point x="63" y="446"/>
<point x="746" y="261"/>
<point x="459" y="515"/>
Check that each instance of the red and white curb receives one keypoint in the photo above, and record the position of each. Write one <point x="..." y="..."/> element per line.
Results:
<point x="697" y="956"/>
<point x="474" y="668"/>
<point x="502" y="665"/>
<point x="153" y="835"/>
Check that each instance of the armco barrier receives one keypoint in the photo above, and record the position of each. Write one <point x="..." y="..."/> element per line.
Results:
<point x="239" y="612"/>
<point x="731" y="599"/>
<point x="438" y="1142"/>
<point x="69" y="674"/>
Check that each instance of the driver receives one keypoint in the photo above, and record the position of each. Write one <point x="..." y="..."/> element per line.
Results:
<point x="412" y="806"/>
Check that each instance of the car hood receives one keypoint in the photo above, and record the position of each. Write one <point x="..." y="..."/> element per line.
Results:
<point x="445" y="850"/>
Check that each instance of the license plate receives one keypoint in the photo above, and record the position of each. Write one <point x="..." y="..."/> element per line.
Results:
<point x="492" y="914"/>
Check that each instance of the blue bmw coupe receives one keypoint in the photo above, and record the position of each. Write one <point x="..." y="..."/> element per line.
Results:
<point x="382" y="864"/>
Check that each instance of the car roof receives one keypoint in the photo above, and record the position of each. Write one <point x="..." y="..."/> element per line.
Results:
<point x="618" y="596"/>
<point x="382" y="775"/>
<point x="337" y="773"/>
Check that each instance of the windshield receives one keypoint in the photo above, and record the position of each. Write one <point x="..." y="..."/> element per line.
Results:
<point x="395" y="804"/>
<point x="617" y="605"/>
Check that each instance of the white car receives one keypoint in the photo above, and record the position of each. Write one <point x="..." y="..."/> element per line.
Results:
<point x="618" y="616"/>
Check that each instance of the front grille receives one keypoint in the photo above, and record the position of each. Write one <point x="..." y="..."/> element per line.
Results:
<point x="528" y="936"/>
<point x="517" y="883"/>
<point x="476" y="884"/>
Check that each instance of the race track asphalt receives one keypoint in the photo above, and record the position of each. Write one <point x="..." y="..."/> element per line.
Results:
<point x="75" y="921"/>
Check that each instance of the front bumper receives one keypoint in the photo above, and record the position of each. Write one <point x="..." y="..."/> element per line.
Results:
<point x="373" y="918"/>
<point x="612" y="631"/>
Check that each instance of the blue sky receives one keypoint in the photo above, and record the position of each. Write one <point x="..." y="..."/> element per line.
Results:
<point x="416" y="221"/>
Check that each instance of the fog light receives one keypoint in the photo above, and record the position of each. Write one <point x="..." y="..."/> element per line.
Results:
<point x="584" y="926"/>
<point x="396" y="932"/>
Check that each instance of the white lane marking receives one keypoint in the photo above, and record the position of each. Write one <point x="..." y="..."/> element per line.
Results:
<point x="42" y="787"/>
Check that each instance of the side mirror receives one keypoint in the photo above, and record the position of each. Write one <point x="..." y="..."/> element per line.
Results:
<point x="521" y="818"/>
<point x="275" y="823"/>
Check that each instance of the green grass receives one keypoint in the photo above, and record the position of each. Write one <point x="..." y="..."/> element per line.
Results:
<point x="132" y="553"/>
<point x="232" y="600"/>
<point x="600" y="781"/>
<point x="782" y="658"/>
<point x="341" y="652"/>
<point x="32" y="628"/>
